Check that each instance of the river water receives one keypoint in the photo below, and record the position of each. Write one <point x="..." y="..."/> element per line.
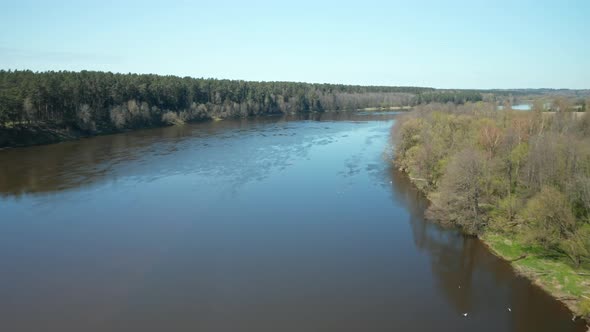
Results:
<point x="265" y="224"/>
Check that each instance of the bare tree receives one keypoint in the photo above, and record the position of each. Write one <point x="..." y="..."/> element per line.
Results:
<point x="29" y="109"/>
<point x="490" y="138"/>
<point x="461" y="192"/>
<point x="84" y="116"/>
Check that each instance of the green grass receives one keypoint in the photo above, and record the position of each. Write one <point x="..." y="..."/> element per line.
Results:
<point x="555" y="275"/>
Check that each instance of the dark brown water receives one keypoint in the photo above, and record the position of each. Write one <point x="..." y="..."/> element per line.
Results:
<point x="266" y="224"/>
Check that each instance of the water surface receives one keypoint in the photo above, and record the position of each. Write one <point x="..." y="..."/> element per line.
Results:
<point x="519" y="107"/>
<point x="266" y="224"/>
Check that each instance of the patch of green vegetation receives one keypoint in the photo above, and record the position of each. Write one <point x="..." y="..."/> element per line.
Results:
<point x="554" y="274"/>
<point x="519" y="180"/>
<point x="503" y="246"/>
<point x="585" y="307"/>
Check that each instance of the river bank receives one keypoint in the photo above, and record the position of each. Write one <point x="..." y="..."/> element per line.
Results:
<point x="389" y="108"/>
<point x="25" y="136"/>
<point x="557" y="278"/>
<point x="508" y="178"/>
<point x="36" y="135"/>
<point x="39" y="134"/>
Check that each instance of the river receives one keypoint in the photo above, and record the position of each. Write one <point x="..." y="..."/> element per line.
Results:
<point x="268" y="224"/>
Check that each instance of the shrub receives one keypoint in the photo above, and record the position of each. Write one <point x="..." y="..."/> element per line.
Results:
<point x="549" y="218"/>
<point x="172" y="118"/>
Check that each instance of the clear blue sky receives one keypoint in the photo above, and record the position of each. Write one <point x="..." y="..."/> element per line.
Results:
<point x="444" y="44"/>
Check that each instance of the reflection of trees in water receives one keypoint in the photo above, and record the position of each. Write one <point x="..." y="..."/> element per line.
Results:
<point x="453" y="257"/>
<point x="86" y="162"/>
<point x="73" y="164"/>
<point x="458" y="260"/>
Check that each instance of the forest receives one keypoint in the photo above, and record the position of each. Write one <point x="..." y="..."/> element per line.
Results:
<point x="88" y="102"/>
<point x="518" y="180"/>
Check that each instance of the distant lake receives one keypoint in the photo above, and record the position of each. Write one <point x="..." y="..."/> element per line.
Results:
<point x="519" y="107"/>
<point x="269" y="224"/>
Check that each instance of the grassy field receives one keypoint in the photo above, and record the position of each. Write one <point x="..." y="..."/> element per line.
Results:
<point x="554" y="275"/>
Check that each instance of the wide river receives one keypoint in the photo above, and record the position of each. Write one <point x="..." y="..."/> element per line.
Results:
<point x="270" y="224"/>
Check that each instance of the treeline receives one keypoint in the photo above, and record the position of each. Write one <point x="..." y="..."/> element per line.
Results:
<point x="105" y="102"/>
<point x="449" y="96"/>
<point x="522" y="174"/>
